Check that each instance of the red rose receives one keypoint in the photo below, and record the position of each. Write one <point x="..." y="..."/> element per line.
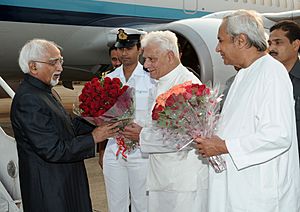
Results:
<point x="160" y="108"/>
<point x="200" y="90"/>
<point x="155" y="116"/>
<point x="82" y="97"/>
<point x="107" y="81"/>
<point x="113" y="93"/>
<point x="98" y="97"/>
<point x="124" y="89"/>
<point x="188" y="89"/>
<point x="95" y="81"/>
<point x="156" y="111"/>
<point x="170" y="100"/>
<point x="116" y="81"/>
<point x="106" y="86"/>
<point x="187" y="95"/>
<point x="207" y="91"/>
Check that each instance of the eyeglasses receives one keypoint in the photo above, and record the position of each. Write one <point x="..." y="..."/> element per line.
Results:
<point x="52" y="61"/>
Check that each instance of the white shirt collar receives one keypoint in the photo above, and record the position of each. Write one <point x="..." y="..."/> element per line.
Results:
<point x="172" y="74"/>
<point x="138" y="71"/>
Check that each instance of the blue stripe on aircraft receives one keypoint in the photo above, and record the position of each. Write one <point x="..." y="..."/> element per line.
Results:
<point x="46" y="16"/>
<point x="108" y="8"/>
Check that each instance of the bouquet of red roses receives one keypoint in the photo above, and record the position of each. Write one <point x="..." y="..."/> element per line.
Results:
<point x="107" y="100"/>
<point x="186" y="111"/>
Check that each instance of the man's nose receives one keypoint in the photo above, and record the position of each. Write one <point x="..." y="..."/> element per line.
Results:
<point x="217" y="48"/>
<point x="146" y="64"/>
<point x="271" y="47"/>
<point x="124" y="51"/>
<point x="59" y="67"/>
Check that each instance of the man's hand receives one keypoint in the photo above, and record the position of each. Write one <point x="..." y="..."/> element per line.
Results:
<point x="105" y="131"/>
<point x="132" y="132"/>
<point x="211" y="146"/>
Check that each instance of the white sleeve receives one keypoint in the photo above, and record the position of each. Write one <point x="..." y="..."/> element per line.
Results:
<point x="275" y="122"/>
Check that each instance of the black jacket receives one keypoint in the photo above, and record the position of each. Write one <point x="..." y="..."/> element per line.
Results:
<point x="295" y="77"/>
<point x="52" y="172"/>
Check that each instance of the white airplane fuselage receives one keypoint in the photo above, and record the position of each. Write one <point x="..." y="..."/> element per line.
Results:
<point x="83" y="28"/>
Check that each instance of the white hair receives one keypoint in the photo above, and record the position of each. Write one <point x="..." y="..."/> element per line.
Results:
<point x="250" y="23"/>
<point x="34" y="50"/>
<point x="165" y="40"/>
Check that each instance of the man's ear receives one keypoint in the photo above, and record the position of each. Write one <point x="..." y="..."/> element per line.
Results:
<point x="296" y="44"/>
<point x="141" y="50"/>
<point x="241" y="40"/>
<point x="171" y="56"/>
<point x="32" y="68"/>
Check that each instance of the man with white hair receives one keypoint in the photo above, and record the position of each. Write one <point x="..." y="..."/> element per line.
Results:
<point x="51" y="146"/>
<point x="177" y="181"/>
<point x="257" y="131"/>
<point x="125" y="179"/>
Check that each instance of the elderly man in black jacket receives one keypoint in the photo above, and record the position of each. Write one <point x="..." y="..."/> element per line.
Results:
<point x="51" y="146"/>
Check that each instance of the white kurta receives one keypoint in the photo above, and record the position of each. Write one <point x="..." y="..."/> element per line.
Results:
<point x="121" y="176"/>
<point x="177" y="181"/>
<point x="258" y="126"/>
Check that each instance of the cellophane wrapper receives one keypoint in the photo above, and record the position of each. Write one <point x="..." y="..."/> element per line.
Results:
<point x="187" y="111"/>
<point x="122" y="111"/>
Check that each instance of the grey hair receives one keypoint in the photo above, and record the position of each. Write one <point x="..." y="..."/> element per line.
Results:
<point x="250" y="23"/>
<point x="165" y="40"/>
<point x="33" y="50"/>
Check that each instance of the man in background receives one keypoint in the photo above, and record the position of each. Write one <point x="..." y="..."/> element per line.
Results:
<point x="177" y="181"/>
<point x="114" y="62"/>
<point x="114" y="58"/>
<point x="284" y="46"/>
<point x="128" y="176"/>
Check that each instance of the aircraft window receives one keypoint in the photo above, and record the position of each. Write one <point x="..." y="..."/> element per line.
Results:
<point x="190" y="7"/>
<point x="283" y="3"/>
<point x="268" y="2"/>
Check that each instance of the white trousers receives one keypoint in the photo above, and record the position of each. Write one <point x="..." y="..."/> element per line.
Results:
<point x="122" y="177"/>
<point x="171" y="201"/>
